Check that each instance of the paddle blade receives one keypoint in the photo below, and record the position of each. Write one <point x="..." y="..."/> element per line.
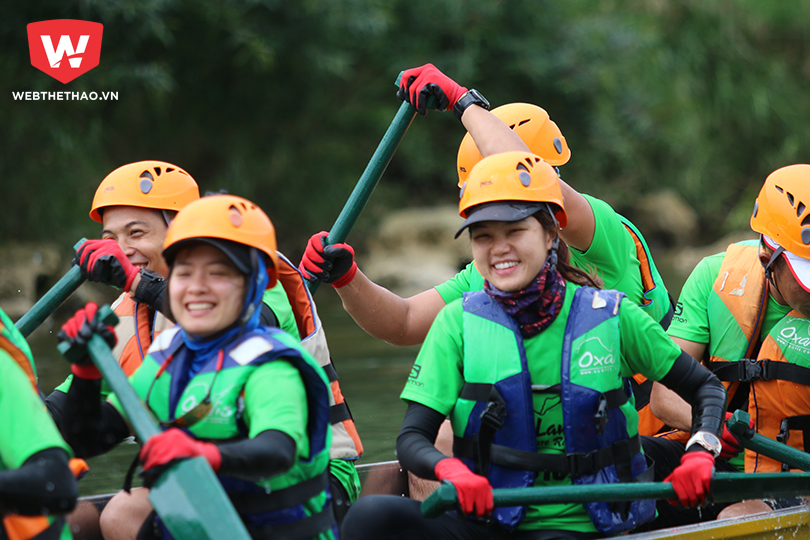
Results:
<point x="186" y="503"/>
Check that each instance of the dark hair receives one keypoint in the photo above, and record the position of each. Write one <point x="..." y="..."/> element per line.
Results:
<point x="568" y="272"/>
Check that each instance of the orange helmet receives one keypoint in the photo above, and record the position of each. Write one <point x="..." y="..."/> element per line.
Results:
<point x="145" y="184"/>
<point x="224" y="217"/>
<point x="532" y="124"/>
<point x="782" y="209"/>
<point x="513" y="177"/>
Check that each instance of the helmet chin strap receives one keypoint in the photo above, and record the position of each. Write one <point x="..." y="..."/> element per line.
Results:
<point x="769" y="275"/>
<point x="251" y="307"/>
<point x="552" y="256"/>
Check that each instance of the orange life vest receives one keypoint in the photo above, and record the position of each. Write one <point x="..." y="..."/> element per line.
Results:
<point x="346" y="443"/>
<point x="780" y="405"/>
<point x="135" y="331"/>
<point x="736" y="309"/>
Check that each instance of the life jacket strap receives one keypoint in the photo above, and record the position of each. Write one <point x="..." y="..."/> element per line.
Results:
<point x="609" y="400"/>
<point x="260" y="502"/>
<point x="309" y="527"/>
<point x="749" y="369"/>
<point x="567" y="464"/>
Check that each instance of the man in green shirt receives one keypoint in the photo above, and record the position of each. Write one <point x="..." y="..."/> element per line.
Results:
<point x="730" y="304"/>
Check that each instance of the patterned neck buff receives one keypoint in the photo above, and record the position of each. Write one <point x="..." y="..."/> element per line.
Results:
<point x="536" y="306"/>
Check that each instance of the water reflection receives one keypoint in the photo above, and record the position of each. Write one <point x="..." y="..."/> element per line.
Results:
<point x="372" y="374"/>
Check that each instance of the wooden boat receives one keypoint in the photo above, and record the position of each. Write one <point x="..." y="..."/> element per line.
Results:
<point x="388" y="478"/>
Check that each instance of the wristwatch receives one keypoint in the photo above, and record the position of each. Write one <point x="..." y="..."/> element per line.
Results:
<point x="469" y="97"/>
<point x="707" y="440"/>
<point x="150" y="287"/>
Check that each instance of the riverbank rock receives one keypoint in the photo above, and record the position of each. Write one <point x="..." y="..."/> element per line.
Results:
<point x="414" y="249"/>
<point x="29" y="270"/>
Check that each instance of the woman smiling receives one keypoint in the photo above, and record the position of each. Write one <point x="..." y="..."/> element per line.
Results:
<point x="246" y="397"/>
<point x="532" y="374"/>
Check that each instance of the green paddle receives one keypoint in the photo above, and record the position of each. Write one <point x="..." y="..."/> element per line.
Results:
<point x="726" y="487"/>
<point x="371" y="176"/>
<point x="188" y="497"/>
<point x="52" y="299"/>
<point x="739" y="424"/>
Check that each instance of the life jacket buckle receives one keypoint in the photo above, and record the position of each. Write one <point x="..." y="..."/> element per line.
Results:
<point x="751" y="369"/>
<point x="493" y="415"/>
<point x="580" y="464"/>
<point x="601" y="417"/>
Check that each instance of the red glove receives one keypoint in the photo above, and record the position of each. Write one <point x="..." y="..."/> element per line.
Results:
<point x="78" y="330"/>
<point x="103" y="261"/>
<point x="418" y="84"/>
<point x="474" y="491"/>
<point x="331" y="264"/>
<point x="731" y="443"/>
<point x="692" y="479"/>
<point x="173" y="444"/>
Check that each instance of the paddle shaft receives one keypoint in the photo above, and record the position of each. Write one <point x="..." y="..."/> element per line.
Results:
<point x="739" y="425"/>
<point x="369" y="179"/>
<point x="726" y="487"/>
<point x="188" y="497"/>
<point x="52" y="299"/>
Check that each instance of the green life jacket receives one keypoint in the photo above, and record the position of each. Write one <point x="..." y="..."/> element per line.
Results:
<point x="302" y="491"/>
<point x="493" y="418"/>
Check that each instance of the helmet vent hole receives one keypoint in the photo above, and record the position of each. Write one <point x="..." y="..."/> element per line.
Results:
<point x="780" y="190"/>
<point x="800" y="209"/>
<point x="169" y="169"/>
<point x="806" y="235"/>
<point x="235" y="216"/>
<point x="558" y="145"/>
<point x="522" y="167"/>
<point x="147" y="174"/>
<point x="525" y="178"/>
<point x="806" y="220"/>
<point x="524" y="122"/>
<point x="158" y="171"/>
<point x="790" y="198"/>
<point x="512" y="126"/>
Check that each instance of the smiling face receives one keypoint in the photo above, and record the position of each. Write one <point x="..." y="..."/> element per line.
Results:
<point x="140" y="232"/>
<point x="206" y="290"/>
<point x="510" y="254"/>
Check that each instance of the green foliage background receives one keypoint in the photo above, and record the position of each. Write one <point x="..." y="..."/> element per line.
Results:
<point x="284" y="102"/>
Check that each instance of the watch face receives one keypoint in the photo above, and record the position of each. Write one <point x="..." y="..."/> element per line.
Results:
<point x="712" y="439"/>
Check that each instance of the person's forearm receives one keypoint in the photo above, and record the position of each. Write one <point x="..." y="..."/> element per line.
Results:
<point x="416" y="438"/>
<point x="43" y="484"/>
<point x="700" y="387"/>
<point x="89" y="425"/>
<point x="668" y="407"/>
<point x="268" y="454"/>
<point x="384" y="315"/>
<point x="490" y="134"/>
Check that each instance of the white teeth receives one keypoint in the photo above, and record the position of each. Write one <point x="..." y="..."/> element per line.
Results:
<point x="199" y="306"/>
<point x="505" y="265"/>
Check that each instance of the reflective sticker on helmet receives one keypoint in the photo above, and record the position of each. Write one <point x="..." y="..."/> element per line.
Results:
<point x="145" y="185"/>
<point x="806" y="235"/>
<point x="463" y="188"/>
<point x="756" y="207"/>
<point x="525" y="178"/>
<point x="558" y="145"/>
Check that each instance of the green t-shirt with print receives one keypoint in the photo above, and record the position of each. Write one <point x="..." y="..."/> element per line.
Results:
<point x="276" y="299"/>
<point x="691" y="321"/>
<point x="612" y="254"/>
<point x="436" y="382"/>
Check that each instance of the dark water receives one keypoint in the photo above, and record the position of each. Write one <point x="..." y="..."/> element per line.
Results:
<point x="372" y="374"/>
